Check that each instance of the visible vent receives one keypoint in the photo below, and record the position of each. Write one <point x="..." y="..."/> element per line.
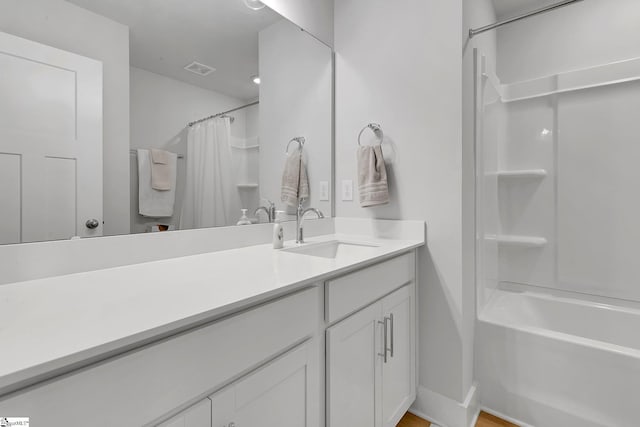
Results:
<point x="199" y="69"/>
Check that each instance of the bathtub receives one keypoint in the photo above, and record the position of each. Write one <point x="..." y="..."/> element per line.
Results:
<point x="551" y="361"/>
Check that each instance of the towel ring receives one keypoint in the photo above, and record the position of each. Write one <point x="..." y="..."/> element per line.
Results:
<point x="375" y="128"/>
<point x="299" y="139"/>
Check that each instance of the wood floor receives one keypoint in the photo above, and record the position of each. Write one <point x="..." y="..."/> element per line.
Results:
<point x="484" y="420"/>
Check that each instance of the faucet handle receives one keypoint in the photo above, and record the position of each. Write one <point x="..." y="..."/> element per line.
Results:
<point x="269" y="202"/>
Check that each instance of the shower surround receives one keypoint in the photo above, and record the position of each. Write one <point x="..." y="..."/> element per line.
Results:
<point x="557" y="232"/>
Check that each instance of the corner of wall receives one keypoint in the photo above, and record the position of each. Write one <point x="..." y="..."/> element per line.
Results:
<point x="313" y="16"/>
<point x="444" y="411"/>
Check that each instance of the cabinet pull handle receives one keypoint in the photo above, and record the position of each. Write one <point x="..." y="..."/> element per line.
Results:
<point x="391" y="321"/>
<point x="384" y="340"/>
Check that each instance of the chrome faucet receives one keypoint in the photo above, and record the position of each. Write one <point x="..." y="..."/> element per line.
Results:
<point x="270" y="211"/>
<point x="300" y="218"/>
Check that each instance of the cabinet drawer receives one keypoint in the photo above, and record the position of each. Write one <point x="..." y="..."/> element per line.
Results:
<point x="143" y="385"/>
<point x="349" y="293"/>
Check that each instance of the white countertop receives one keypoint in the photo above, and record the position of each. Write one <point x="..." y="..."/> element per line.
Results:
<point x="51" y="325"/>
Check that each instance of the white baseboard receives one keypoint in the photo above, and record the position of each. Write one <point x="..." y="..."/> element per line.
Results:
<point x="504" y="417"/>
<point x="444" y="411"/>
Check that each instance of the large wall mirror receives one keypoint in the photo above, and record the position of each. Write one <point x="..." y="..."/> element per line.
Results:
<point x="120" y="116"/>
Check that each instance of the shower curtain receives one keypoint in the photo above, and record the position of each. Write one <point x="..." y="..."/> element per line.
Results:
<point x="211" y="196"/>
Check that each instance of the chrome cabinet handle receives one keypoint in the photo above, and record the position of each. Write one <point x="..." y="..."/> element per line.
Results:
<point x="391" y="322"/>
<point x="92" y="223"/>
<point x="384" y="340"/>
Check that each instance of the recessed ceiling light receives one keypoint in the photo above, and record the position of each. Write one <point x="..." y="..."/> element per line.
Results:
<point x="199" y="69"/>
<point x="255" y="79"/>
<point x="254" y="4"/>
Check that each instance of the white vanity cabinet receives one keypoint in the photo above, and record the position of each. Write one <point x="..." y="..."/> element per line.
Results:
<point x="370" y="362"/>
<point x="274" y="395"/>
<point x="281" y="393"/>
<point x="398" y="386"/>
<point x="336" y="354"/>
<point x="147" y="386"/>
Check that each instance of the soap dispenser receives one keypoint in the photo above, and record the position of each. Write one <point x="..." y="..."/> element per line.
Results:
<point x="244" y="220"/>
<point x="278" y="231"/>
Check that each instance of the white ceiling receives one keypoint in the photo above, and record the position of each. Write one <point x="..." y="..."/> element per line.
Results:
<point x="167" y="35"/>
<point x="508" y="8"/>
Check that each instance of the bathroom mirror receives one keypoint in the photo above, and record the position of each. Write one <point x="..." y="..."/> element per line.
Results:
<point x="181" y="111"/>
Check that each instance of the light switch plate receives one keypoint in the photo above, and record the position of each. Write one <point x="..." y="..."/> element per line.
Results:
<point x="347" y="189"/>
<point x="324" y="191"/>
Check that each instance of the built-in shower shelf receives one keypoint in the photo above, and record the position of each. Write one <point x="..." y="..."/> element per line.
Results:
<point x="521" y="241"/>
<point x="249" y="185"/>
<point x="246" y="147"/>
<point x="524" y="173"/>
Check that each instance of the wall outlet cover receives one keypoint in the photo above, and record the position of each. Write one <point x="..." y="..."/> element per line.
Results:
<point x="324" y="190"/>
<point x="347" y="190"/>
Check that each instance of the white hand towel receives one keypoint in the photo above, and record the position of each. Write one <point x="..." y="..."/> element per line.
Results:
<point x="295" y="182"/>
<point x="372" y="177"/>
<point x="154" y="203"/>
<point x="161" y="170"/>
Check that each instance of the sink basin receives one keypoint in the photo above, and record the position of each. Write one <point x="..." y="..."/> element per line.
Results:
<point x="332" y="249"/>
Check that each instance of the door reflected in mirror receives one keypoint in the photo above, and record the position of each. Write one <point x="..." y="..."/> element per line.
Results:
<point x="124" y="117"/>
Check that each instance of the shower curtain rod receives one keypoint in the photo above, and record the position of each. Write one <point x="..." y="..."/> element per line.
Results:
<point x="223" y="113"/>
<point x="475" y="32"/>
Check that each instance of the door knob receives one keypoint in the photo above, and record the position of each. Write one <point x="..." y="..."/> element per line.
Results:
<point x="92" y="223"/>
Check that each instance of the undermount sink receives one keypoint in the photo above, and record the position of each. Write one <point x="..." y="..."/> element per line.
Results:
<point x="332" y="249"/>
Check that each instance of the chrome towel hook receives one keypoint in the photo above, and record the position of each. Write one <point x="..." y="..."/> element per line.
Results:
<point x="376" y="129"/>
<point x="299" y="139"/>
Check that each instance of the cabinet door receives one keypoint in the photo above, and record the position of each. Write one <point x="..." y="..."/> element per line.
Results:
<point x="398" y="373"/>
<point x="274" y="395"/>
<point x="352" y="365"/>
<point x="199" y="415"/>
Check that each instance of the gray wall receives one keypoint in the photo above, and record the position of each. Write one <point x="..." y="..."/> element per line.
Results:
<point x="582" y="35"/>
<point x="295" y="100"/>
<point x="399" y="64"/>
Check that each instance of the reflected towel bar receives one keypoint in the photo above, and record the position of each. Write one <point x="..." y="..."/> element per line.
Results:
<point x="300" y="140"/>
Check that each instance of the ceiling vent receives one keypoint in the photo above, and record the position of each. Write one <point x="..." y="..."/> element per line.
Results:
<point x="199" y="69"/>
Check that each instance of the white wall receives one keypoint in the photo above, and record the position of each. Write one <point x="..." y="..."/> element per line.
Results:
<point x="399" y="64"/>
<point x="65" y="26"/>
<point x="581" y="35"/>
<point x="314" y="16"/>
<point x="161" y="108"/>
<point x="295" y="100"/>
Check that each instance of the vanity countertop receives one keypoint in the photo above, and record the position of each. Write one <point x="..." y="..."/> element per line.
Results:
<point x="50" y="325"/>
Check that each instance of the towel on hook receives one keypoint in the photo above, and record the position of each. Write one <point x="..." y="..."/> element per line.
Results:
<point x="161" y="172"/>
<point x="372" y="176"/>
<point x="154" y="203"/>
<point x="295" y="182"/>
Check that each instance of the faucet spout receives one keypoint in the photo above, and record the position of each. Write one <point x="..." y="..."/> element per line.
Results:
<point x="300" y="220"/>
<point x="270" y="210"/>
<point x="262" y="208"/>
